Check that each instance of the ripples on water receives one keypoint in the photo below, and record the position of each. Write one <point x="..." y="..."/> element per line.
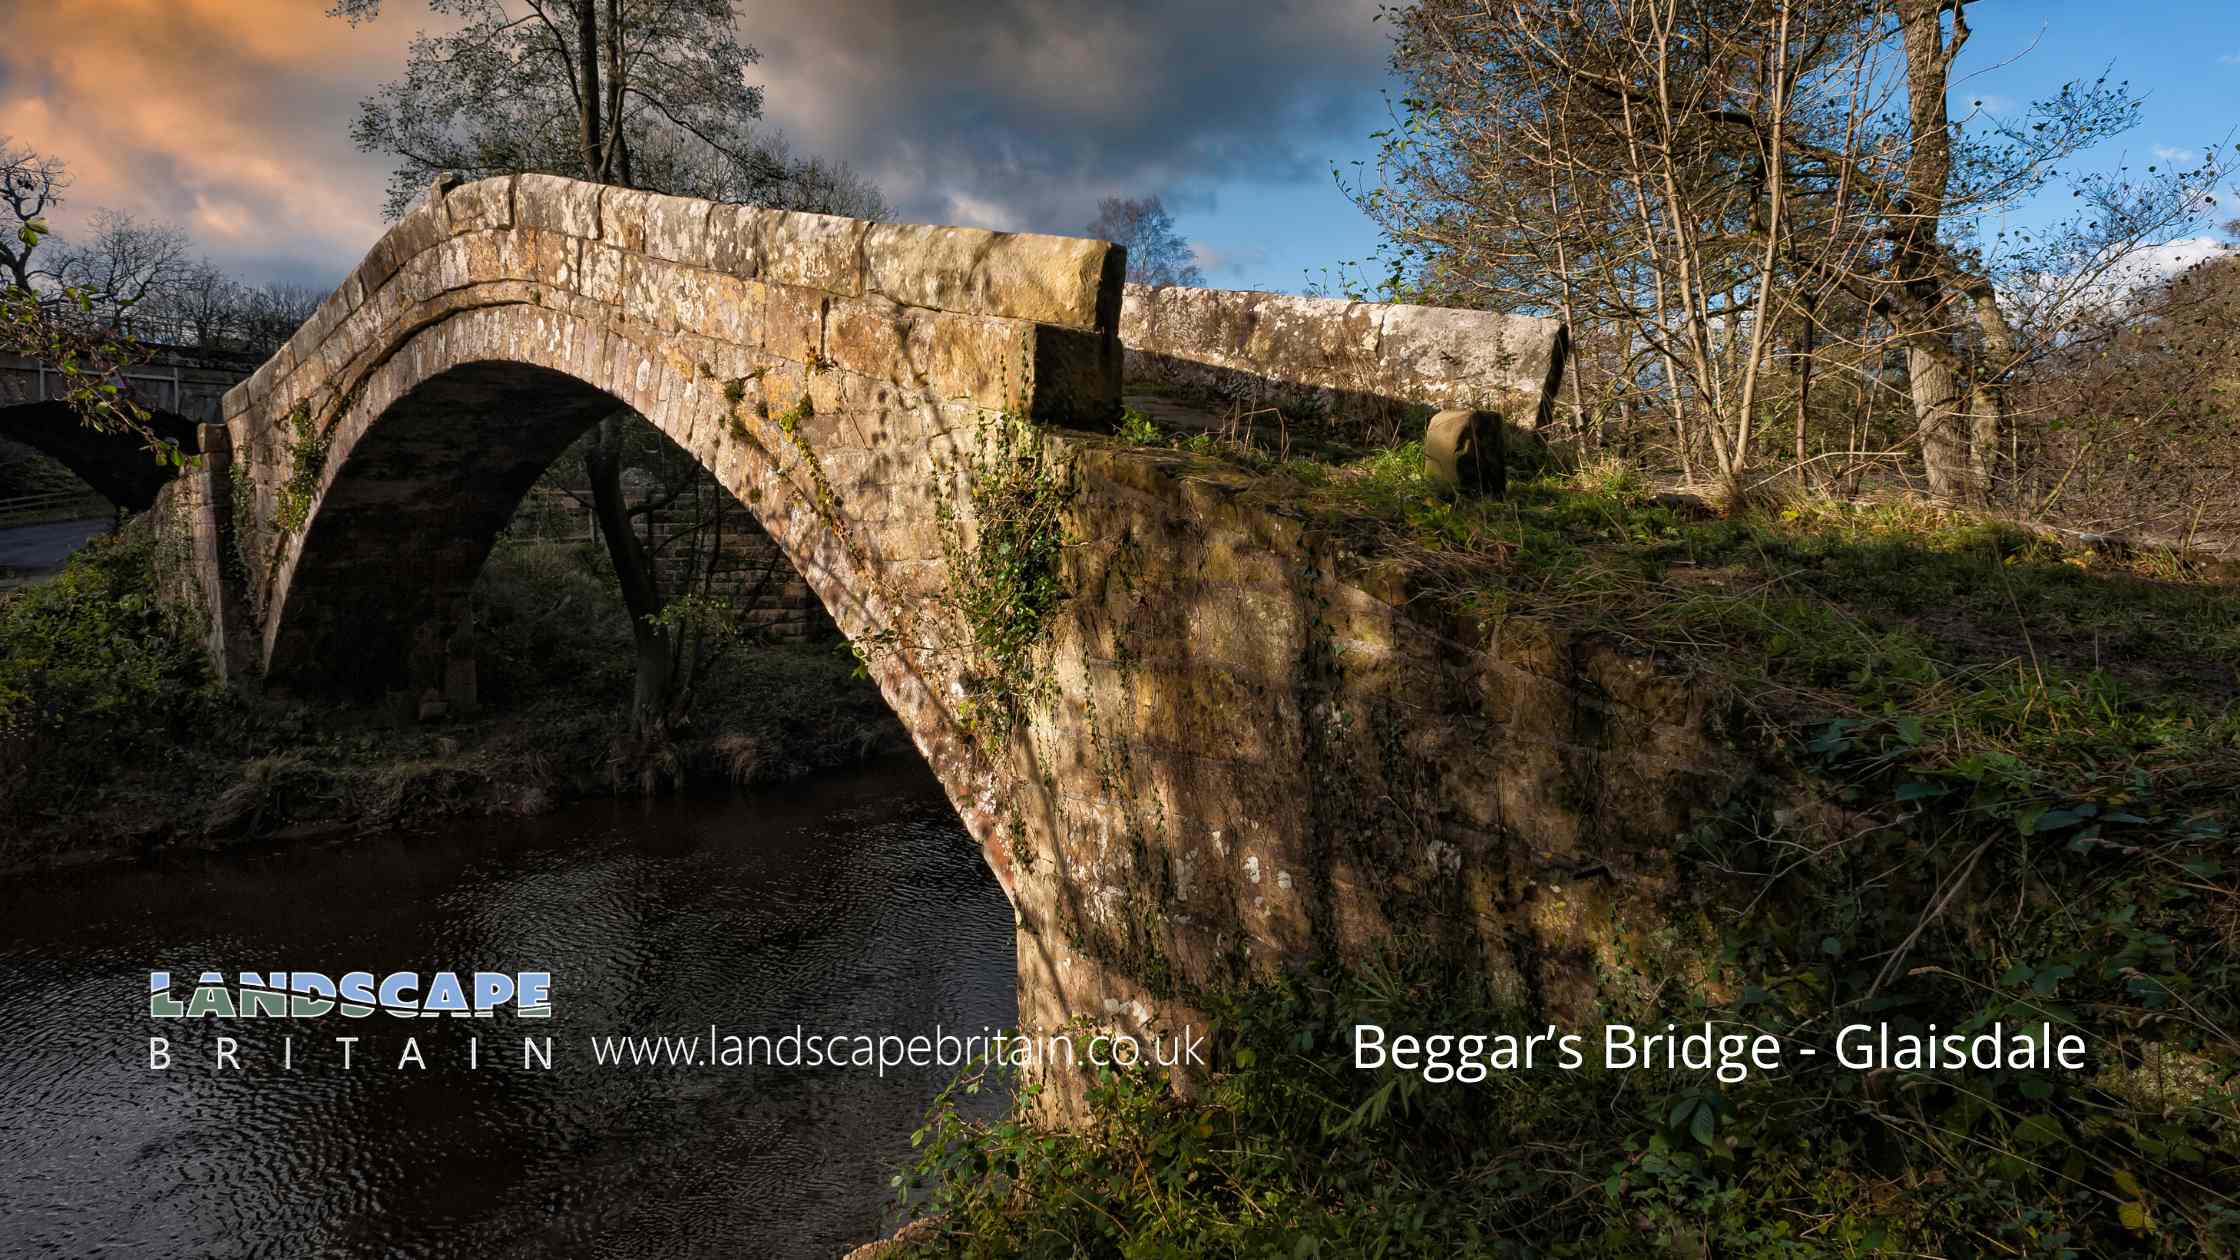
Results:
<point x="855" y="904"/>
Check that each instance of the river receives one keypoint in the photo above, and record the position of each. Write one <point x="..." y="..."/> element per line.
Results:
<point x="852" y="904"/>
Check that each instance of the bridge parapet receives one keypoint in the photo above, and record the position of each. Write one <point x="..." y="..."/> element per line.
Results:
<point x="999" y="319"/>
<point x="1365" y="363"/>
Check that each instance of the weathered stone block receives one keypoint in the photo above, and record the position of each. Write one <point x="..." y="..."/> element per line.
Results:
<point x="1073" y="379"/>
<point x="1047" y="279"/>
<point x="818" y="251"/>
<point x="731" y="309"/>
<point x="793" y="323"/>
<point x="735" y="240"/>
<point x="622" y="218"/>
<point x="603" y="278"/>
<point x="560" y="205"/>
<point x="1470" y="358"/>
<point x="1462" y="450"/>
<point x="416" y="232"/>
<point x="1313" y="339"/>
<point x="481" y="205"/>
<point x="676" y="228"/>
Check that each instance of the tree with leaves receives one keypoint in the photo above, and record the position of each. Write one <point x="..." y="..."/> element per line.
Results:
<point x="1157" y="254"/>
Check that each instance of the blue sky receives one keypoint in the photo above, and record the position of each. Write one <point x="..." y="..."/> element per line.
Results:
<point x="1014" y="114"/>
<point x="2183" y="57"/>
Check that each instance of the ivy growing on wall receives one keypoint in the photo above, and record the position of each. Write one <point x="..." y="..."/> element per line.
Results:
<point x="1005" y="570"/>
<point x="307" y="459"/>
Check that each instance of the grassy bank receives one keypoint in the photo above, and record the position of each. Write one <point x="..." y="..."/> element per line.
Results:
<point x="114" y="741"/>
<point x="1997" y="782"/>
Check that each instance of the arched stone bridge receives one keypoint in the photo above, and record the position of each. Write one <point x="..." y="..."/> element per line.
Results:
<point x="1244" y="747"/>
<point x="182" y="389"/>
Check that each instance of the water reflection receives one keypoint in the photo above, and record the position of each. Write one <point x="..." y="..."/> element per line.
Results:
<point x="855" y="904"/>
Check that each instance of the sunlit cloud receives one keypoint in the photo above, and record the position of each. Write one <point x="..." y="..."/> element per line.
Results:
<point x="231" y="118"/>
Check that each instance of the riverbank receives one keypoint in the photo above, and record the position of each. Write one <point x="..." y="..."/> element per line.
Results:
<point x="114" y="743"/>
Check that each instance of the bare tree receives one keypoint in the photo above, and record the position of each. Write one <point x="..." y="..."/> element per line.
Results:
<point x="1701" y="183"/>
<point x="31" y="184"/>
<point x="124" y="263"/>
<point x="1157" y="254"/>
<point x="271" y="313"/>
<point x="204" y="307"/>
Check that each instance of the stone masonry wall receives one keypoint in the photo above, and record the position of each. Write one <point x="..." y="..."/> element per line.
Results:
<point x="749" y="570"/>
<point x="1368" y="363"/>
<point x="1244" y="744"/>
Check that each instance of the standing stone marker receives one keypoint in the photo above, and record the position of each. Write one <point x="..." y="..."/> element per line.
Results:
<point x="1462" y="450"/>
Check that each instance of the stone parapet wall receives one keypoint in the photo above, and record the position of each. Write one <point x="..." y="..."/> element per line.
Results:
<point x="993" y="318"/>
<point x="1361" y="361"/>
<point x="749" y="570"/>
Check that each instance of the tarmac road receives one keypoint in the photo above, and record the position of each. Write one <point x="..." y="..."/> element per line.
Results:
<point x="30" y="551"/>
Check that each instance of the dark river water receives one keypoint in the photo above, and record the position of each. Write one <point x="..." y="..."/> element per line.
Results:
<point x="853" y="905"/>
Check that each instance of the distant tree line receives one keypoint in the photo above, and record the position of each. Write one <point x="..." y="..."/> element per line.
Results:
<point x="140" y="280"/>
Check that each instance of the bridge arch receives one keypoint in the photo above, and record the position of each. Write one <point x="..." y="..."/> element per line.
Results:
<point x="1254" y="745"/>
<point x="181" y="387"/>
<point x="824" y="370"/>
<point x="118" y="466"/>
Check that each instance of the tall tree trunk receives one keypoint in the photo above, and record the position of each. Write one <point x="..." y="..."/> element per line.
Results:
<point x="1988" y="424"/>
<point x="1924" y="316"/>
<point x="633" y="568"/>
<point x="1933" y="372"/>
<point x="605" y="158"/>
<point x="588" y="102"/>
<point x="1806" y="349"/>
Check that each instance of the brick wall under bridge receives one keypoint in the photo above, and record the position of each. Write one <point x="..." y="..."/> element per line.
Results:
<point x="1247" y="743"/>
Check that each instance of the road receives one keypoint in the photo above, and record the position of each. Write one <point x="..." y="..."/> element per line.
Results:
<point x="30" y="551"/>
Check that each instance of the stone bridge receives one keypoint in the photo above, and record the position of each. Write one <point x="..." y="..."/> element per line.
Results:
<point x="1240" y="744"/>
<point x="183" y="390"/>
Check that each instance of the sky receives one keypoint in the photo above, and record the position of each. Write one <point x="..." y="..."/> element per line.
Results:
<point x="230" y="118"/>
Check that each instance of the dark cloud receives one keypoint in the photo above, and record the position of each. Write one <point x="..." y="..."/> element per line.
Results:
<point x="230" y="117"/>
<point x="1022" y="113"/>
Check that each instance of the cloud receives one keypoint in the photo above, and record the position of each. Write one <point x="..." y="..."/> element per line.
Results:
<point x="1237" y="260"/>
<point x="2165" y="153"/>
<point x="1023" y="113"/>
<point x="2157" y="263"/>
<point x="231" y="117"/>
<point x="2124" y="279"/>
<point x="2229" y="59"/>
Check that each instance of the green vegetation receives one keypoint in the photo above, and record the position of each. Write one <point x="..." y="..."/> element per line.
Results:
<point x="94" y="648"/>
<point x="114" y="741"/>
<point x="1998" y="783"/>
<point x="1003" y="567"/>
<point x="307" y="460"/>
